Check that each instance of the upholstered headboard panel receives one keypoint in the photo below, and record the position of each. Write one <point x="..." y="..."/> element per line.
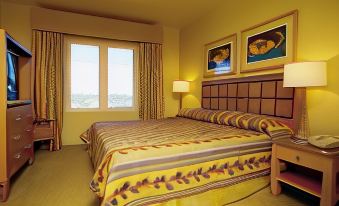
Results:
<point x="263" y="94"/>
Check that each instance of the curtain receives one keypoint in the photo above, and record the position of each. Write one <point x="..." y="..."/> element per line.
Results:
<point x="151" y="95"/>
<point x="47" y="77"/>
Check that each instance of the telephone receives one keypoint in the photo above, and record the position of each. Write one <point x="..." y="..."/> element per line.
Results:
<point x="324" y="141"/>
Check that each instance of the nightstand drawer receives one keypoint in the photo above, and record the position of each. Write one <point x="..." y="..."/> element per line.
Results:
<point x="299" y="157"/>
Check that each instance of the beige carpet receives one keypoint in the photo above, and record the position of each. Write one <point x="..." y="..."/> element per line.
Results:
<point x="62" y="178"/>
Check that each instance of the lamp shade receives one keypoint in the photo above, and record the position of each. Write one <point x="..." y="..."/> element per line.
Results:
<point x="305" y="74"/>
<point x="181" y="86"/>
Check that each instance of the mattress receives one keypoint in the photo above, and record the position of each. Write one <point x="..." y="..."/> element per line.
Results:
<point x="153" y="162"/>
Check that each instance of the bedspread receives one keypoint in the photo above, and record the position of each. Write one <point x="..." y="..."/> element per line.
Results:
<point x="147" y="162"/>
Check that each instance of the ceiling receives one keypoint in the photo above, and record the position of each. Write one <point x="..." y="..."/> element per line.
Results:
<point x="174" y="13"/>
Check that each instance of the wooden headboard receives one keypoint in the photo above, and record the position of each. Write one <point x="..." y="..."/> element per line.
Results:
<point x="262" y="94"/>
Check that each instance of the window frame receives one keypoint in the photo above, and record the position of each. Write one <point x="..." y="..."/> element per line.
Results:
<point x="103" y="45"/>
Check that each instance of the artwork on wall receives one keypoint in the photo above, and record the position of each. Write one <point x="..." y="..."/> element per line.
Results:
<point x="269" y="45"/>
<point x="220" y="57"/>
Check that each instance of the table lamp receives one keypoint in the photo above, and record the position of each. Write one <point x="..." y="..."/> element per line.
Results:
<point x="302" y="75"/>
<point x="181" y="86"/>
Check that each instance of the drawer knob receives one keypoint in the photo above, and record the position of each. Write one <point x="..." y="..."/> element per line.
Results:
<point x="298" y="158"/>
<point x="18" y="118"/>
<point x="28" y="130"/>
<point x="17" y="138"/>
<point x="28" y="146"/>
<point x="17" y="156"/>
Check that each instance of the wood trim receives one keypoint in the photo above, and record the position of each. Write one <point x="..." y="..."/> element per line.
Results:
<point x="3" y="106"/>
<point x="295" y="34"/>
<point x="23" y="52"/>
<point x="257" y="78"/>
<point x="263" y="68"/>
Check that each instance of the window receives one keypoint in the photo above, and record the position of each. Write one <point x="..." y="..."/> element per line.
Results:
<point x="120" y="87"/>
<point x="100" y="74"/>
<point x="84" y="76"/>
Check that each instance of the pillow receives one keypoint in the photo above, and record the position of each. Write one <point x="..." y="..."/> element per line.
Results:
<point x="260" y="123"/>
<point x="275" y="129"/>
<point x="197" y="114"/>
<point x="84" y="137"/>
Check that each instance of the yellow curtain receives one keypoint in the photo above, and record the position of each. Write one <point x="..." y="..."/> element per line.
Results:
<point x="47" y="75"/>
<point x="151" y="97"/>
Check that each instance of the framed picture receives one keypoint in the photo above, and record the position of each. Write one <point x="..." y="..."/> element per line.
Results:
<point x="269" y="45"/>
<point x="220" y="57"/>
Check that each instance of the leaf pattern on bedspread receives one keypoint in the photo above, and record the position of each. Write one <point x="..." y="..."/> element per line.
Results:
<point x="171" y="182"/>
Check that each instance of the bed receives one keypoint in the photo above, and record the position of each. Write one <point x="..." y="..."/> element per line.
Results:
<point x="195" y="158"/>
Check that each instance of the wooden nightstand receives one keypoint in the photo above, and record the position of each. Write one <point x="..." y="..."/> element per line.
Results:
<point x="325" y="161"/>
<point x="45" y="130"/>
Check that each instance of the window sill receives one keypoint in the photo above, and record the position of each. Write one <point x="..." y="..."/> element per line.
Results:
<point x="103" y="110"/>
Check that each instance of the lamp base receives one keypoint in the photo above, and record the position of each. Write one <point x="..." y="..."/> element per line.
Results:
<point x="299" y="140"/>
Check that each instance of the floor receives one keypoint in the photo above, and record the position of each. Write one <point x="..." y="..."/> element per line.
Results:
<point x="62" y="178"/>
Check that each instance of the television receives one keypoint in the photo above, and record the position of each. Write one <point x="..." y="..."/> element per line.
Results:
<point x="12" y="76"/>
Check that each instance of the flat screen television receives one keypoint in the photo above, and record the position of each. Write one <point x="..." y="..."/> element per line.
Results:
<point x="12" y="77"/>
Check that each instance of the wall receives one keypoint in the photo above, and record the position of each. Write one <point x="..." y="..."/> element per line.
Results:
<point x="317" y="40"/>
<point x="16" y="20"/>
<point x="77" y="122"/>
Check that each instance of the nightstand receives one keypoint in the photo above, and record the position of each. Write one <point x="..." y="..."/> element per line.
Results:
<point x="324" y="161"/>
<point x="45" y="130"/>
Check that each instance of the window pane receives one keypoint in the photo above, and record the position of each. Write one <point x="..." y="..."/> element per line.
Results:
<point x="84" y="76"/>
<point x="120" y="77"/>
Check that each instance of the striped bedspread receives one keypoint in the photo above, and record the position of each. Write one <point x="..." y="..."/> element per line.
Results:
<point x="149" y="162"/>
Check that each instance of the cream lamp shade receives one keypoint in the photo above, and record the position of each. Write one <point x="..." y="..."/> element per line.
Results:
<point x="305" y="74"/>
<point x="181" y="86"/>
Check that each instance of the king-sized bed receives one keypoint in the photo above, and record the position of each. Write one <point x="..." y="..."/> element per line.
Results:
<point x="202" y="156"/>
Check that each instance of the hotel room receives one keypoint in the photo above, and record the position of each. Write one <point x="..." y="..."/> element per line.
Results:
<point x="169" y="103"/>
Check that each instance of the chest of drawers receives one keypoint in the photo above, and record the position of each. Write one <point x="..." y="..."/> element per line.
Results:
<point x="19" y="144"/>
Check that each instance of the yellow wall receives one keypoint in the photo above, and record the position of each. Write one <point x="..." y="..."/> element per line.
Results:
<point x="16" y="20"/>
<point x="317" y="40"/>
<point x="171" y="69"/>
<point x="77" y="122"/>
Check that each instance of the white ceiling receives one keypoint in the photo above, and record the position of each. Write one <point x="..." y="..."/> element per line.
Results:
<point x="174" y="13"/>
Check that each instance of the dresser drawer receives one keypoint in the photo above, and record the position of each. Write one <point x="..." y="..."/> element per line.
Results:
<point x="15" y="120"/>
<point x="16" y="142"/>
<point x="306" y="159"/>
<point x="18" y="118"/>
<point x="18" y="159"/>
<point x="19" y="128"/>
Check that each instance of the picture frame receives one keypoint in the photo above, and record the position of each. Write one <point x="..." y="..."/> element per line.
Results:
<point x="220" y="57"/>
<point x="269" y="45"/>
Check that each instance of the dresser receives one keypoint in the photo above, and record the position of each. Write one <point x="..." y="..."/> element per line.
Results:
<point x="16" y="117"/>
<point x="19" y="139"/>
